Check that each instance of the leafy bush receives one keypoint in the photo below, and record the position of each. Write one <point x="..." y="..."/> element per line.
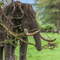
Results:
<point x="47" y="27"/>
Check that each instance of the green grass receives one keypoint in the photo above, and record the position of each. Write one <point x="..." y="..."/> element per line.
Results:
<point x="44" y="54"/>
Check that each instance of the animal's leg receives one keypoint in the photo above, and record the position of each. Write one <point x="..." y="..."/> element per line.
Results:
<point x="1" y="53"/>
<point x="23" y="49"/>
<point x="13" y="52"/>
<point x="8" y="52"/>
<point x="13" y="49"/>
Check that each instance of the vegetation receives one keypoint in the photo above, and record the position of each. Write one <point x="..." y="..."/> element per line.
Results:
<point x="48" y="11"/>
<point x="44" y="54"/>
<point x="47" y="27"/>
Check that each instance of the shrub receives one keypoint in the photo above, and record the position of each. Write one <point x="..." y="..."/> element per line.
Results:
<point x="47" y="27"/>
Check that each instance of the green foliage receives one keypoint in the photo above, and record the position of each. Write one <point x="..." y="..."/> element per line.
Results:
<point x="49" y="10"/>
<point x="47" y="27"/>
<point x="1" y="4"/>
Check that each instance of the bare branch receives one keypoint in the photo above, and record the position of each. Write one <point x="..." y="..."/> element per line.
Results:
<point x="21" y="11"/>
<point x="3" y="13"/>
<point x="15" y="35"/>
<point x="13" y="6"/>
<point x="48" y="36"/>
<point x="17" y="26"/>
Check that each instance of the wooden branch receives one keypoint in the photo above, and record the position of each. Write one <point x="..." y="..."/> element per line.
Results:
<point x="13" y="6"/>
<point x="48" y="36"/>
<point x="3" y="13"/>
<point x="6" y="1"/>
<point x="48" y="48"/>
<point x="1" y="21"/>
<point x="21" y="11"/>
<point x="15" y="35"/>
<point x="17" y="26"/>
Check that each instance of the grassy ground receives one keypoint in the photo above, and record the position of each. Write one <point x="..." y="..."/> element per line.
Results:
<point x="44" y="54"/>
